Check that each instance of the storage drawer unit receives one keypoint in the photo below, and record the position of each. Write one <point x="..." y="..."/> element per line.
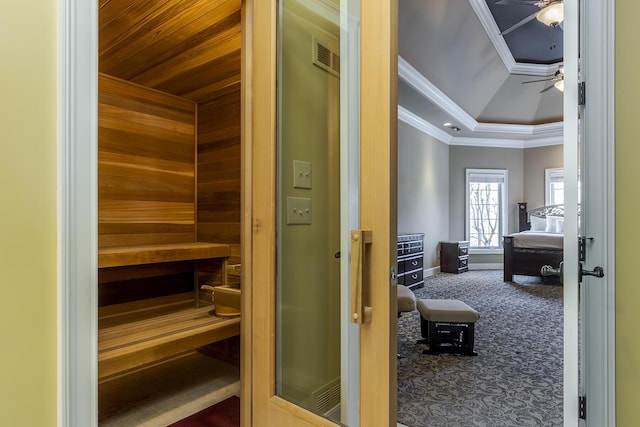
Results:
<point x="454" y="257"/>
<point x="411" y="260"/>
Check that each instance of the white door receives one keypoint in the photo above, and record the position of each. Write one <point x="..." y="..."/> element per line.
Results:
<point x="588" y="314"/>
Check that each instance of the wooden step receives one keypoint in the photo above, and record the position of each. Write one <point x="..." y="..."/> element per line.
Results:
<point x="128" y="346"/>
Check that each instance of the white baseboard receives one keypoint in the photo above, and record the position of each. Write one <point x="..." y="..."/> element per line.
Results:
<point x="428" y="272"/>
<point x="486" y="266"/>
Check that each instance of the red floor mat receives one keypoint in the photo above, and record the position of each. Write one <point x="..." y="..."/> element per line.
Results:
<point x="222" y="414"/>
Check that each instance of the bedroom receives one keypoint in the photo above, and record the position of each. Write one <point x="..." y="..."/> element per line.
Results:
<point x="443" y="109"/>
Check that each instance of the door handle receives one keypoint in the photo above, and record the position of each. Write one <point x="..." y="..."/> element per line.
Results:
<point x="596" y="272"/>
<point x="547" y="270"/>
<point x="360" y="313"/>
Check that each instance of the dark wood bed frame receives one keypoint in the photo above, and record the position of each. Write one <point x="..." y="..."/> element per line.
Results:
<point x="529" y="261"/>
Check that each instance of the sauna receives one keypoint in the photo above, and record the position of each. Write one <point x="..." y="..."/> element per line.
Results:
<point x="169" y="172"/>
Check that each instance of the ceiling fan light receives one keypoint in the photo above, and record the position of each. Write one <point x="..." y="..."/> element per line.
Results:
<point x="559" y="85"/>
<point x="551" y="15"/>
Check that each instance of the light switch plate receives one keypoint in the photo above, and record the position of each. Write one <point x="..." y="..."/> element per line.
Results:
<point x="301" y="174"/>
<point x="298" y="210"/>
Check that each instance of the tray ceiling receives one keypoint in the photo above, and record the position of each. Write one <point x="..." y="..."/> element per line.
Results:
<point x="447" y="45"/>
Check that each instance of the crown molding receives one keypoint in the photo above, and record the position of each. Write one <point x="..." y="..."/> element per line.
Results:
<point x="491" y="28"/>
<point x="520" y="129"/>
<point x="422" y="125"/>
<point x="427" y="89"/>
<point x="412" y="119"/>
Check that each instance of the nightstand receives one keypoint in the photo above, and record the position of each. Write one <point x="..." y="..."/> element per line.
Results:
<point x="454" y="257"/>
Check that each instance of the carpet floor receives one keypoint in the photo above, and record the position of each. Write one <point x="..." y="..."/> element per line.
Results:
<point x="516" y="379"/>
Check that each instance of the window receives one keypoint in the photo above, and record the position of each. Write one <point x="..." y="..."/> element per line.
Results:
<point x="553" y="186"/>
<point x="486" y="215"/>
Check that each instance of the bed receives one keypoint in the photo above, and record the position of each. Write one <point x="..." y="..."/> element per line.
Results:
<point x="539" y="242"/>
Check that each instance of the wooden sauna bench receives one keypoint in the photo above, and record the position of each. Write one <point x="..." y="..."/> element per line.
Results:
<point x="143" y="333"/>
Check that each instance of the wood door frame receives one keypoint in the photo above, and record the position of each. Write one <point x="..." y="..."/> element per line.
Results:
<point x="378" y="193"/>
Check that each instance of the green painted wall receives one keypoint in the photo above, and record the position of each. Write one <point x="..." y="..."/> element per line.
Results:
<point x="28" y="213"/>
<point x="627" y="206"/>
<point x="309" y="288"/>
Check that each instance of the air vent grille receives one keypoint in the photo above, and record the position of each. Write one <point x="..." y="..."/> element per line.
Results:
<point x="327" y="397"/>
<point x="325" y="58"/>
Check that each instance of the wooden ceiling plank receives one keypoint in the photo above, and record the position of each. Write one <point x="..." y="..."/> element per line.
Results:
<point x="128" y="64"/>
<point x="102" y="3"/>
<point x="160" y="29"/>
<point x="219" y="72"/>
<point x="133" y="18"/>
<point x="227" y="41"/>
<point x="112" y="9"/>
<point x="222" y="87"/>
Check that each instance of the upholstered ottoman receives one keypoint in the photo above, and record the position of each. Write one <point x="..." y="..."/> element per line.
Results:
<point x="406" y="299"/>
<point x="447" y="326"/>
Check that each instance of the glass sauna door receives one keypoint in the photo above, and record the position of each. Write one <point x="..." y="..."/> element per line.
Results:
<point x="324" y="222"/>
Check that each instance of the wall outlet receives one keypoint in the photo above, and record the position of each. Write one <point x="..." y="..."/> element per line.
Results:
<point x="301" y="174"/>
<point x="298" y="210"/>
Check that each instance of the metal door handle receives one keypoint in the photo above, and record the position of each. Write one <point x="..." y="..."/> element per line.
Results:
<point x="360" y="313"/>
<point x="547" y="270"/>
<point x="596" y="272"/>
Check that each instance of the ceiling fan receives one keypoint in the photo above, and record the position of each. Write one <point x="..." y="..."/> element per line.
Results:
<point x="557" y="79"/>
<point x="551" y="12"/>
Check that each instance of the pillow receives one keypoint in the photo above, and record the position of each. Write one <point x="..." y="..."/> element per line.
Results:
<point x="552" y="224"/>
<point x="560" y="226"/>
<point x="538" y="223"/>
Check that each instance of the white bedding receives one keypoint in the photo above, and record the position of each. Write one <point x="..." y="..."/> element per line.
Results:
<point x="538" y="240"/>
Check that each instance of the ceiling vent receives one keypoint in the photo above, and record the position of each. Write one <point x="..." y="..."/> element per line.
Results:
<point x="325" y="58"/>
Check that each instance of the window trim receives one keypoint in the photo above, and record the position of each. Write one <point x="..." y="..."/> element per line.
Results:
<point x="504" y="212"/>
<point x="549" y="174"/>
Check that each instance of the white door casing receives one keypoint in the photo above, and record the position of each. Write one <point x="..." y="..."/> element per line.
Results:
<point x="598" y="207"/>
<point x="77" y="164"/>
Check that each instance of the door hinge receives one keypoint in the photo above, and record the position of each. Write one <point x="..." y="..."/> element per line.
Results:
<point x="582" y="407"/>
<point x="582" y="95"/>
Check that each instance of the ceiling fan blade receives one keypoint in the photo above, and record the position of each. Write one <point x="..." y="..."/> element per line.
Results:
<point x="546" y="89"/>
<point x="536" y="81"/>
<point x="519" y="24"/>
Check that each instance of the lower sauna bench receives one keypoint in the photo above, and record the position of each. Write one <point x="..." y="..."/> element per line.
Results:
<point x="140" y="343"/>
<point x="141" y="335"/>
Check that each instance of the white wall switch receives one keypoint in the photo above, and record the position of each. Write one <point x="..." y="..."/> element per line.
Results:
<point x="301" y="174"/>
<point x="298" y="210"/>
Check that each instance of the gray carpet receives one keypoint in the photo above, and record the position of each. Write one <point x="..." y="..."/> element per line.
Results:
<point x="516" y="379"/>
